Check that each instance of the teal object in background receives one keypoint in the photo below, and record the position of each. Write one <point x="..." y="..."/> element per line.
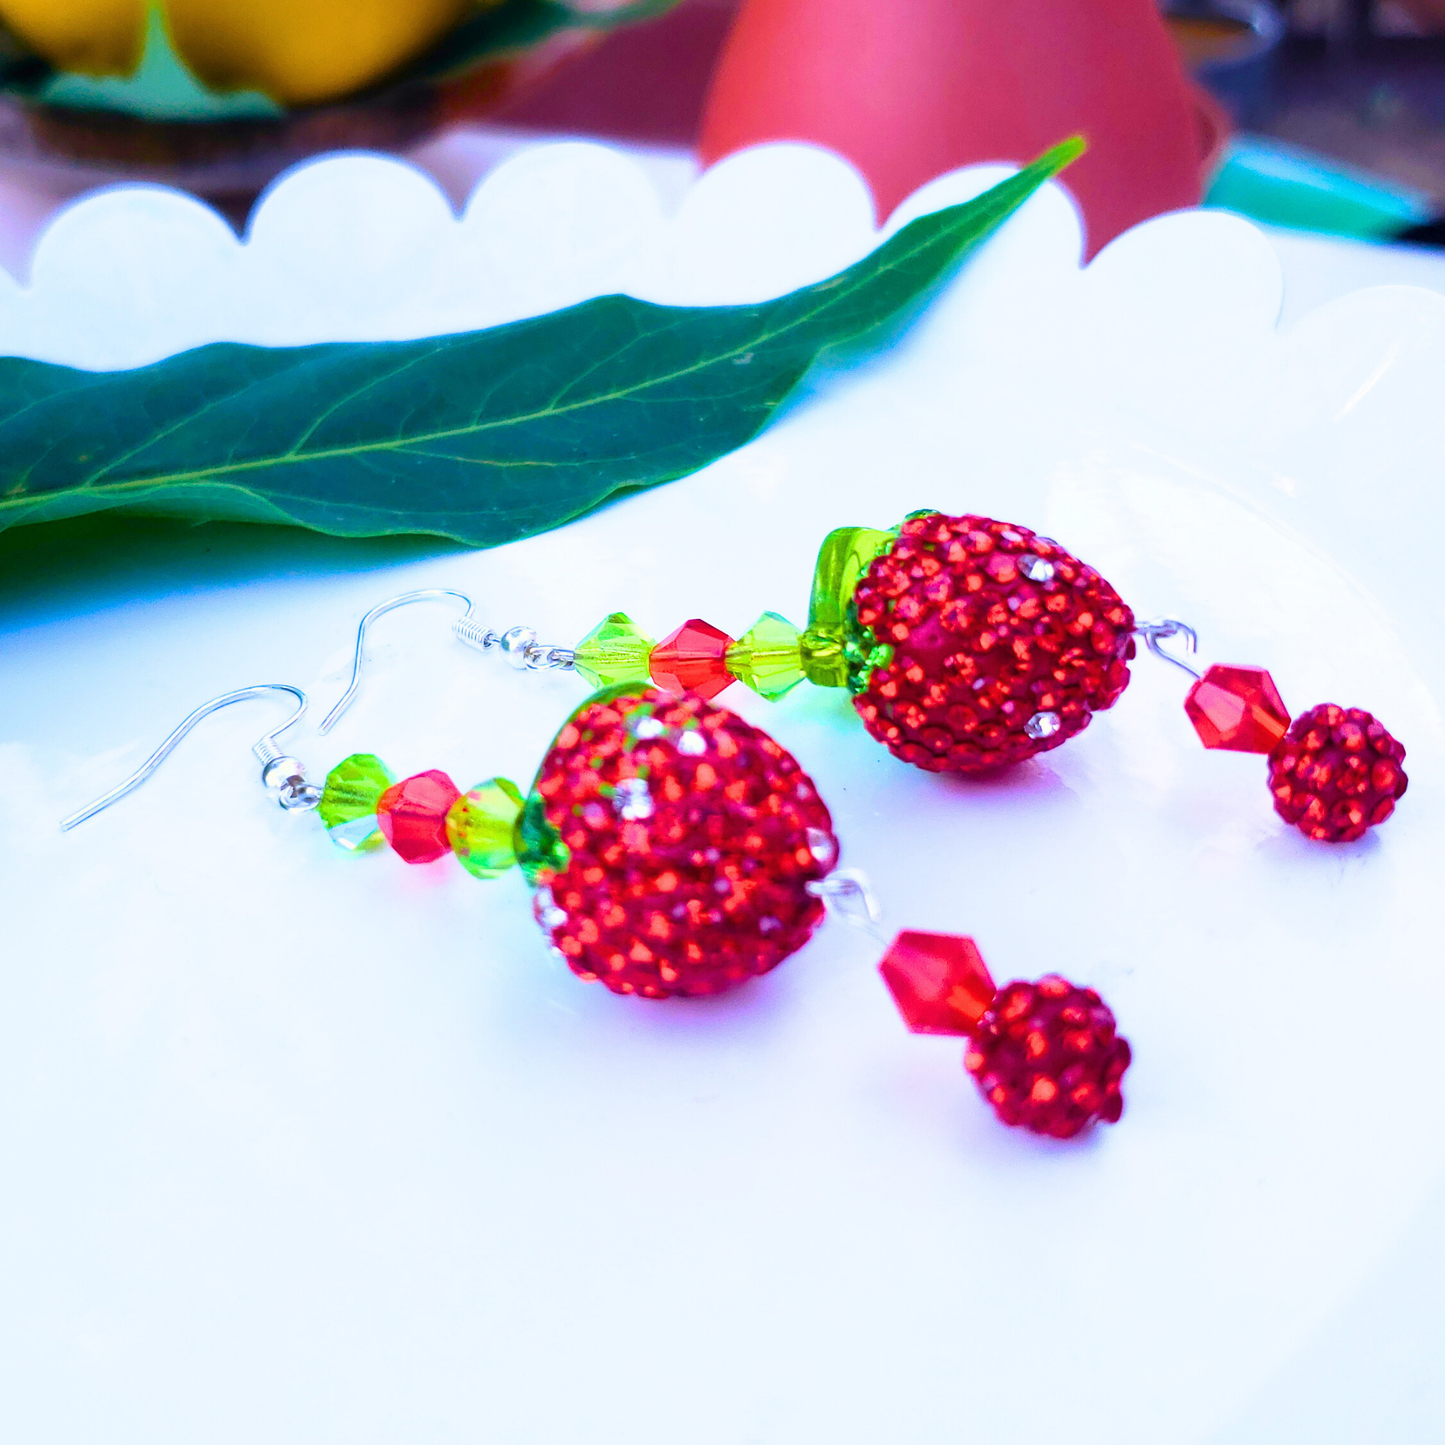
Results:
<point x="1285" y="185"/>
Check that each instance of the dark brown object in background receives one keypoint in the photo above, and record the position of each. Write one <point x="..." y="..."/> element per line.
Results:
<point x="1370" y="99"/>
<point x="1429" y="15"/>
<point x="228" y="162"/>
<point x="1232" y="48"/>
<point x="645" y="83"/>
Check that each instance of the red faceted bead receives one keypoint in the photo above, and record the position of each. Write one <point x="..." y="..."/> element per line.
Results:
<point x="974" y="643"/>
<point x="686" y="840"/>
<point x="692" y="659"/>
<point x="1047" y="1056"/>
<point x="1336" y="772"/>
<point x="1237" y="708"/>
<point x="413" y="815"/>
<point x="939" y="982"/>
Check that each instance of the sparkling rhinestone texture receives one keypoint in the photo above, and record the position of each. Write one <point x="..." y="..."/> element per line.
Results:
<point x="1047" y="1056"/>
<point x="1335" y="773"/>
<point x="959" y="638"/>
<point x="413" y="816"/>
<point x="1237" y="708"/>
<point x="939" y="982"/>
<point x="696" y="880"/>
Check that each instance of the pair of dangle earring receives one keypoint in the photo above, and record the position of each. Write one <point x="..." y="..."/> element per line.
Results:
<point x="677" y="850"/>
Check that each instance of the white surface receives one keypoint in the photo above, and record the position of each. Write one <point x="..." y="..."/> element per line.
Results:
<point x="367" y="249"/>
<point x="305" y="1147"/>
<point x="1318" y="269"/>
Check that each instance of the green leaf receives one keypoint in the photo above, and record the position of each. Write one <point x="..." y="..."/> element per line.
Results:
<point x="482" y="437"/>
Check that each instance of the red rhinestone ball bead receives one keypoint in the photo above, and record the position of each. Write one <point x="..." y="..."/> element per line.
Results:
<point x="1335" y="773"/>
<point x="1047" y="1057"/>
<point x="690" y="840"/>
<point x="978" y="643"/>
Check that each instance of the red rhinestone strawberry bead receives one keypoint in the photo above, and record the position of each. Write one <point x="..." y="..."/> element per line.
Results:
<point x="974" y="643"/>
<point x="1048" y="1057"/>
<point x="1336" y="772"/>
<point x="675" y="842"/>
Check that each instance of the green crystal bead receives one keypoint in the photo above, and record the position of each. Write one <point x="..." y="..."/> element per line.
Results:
<point x="482" y="827"/>
<point x="616" y="651"/>
<point x="842" y="559"/>
<point x="348" y="802"/>
<point x="823" y="660"/>
<point x="767" y="656"/>
<point x="539" y="846"/>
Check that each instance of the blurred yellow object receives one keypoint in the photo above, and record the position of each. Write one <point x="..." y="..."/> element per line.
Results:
<point x="299" y="52"/>
<point x="303" y="51"/>
<point x="94" y="37"/>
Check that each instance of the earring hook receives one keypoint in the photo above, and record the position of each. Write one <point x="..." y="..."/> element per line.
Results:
<point x="847" y="894"/>
<point x="519" y="644"/>
<point x="1155" y="632"/>
<point x="265" y="748"/>
<point x="426" y="594"/>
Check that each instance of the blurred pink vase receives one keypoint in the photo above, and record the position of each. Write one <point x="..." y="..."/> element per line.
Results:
<point x="912" y="88"/>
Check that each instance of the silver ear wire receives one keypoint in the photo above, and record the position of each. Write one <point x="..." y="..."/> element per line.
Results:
<point x="281" y="774"/>
<point x="1155" y="632"/>
<point x="847" y="894"/>
<point x="426" y="594"/>
<point x="519" y="643"/>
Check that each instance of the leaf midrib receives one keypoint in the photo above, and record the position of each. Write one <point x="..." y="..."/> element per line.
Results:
<point x="96" y="480"/>
<point x="802" y="308"/>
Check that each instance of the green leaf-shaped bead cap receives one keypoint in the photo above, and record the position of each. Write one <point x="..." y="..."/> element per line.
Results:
<point x="539" y="846"/>
<point x="842" y="559"/>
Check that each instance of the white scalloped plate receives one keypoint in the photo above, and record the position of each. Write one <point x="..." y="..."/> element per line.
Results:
<point x="304" y="1147"/>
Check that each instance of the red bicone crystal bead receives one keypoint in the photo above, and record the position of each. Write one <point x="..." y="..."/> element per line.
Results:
<point x="939" y="982"/>
<point x="1237" y="708"/>
<point x="692" y="659"/>
<point x="413" y="815"/>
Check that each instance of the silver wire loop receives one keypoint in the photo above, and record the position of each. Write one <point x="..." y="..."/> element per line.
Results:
<point x="425" y="594"/>
<point x="265" y="749"/>
<point x="301" y="796"/>
<point x="519" y="644"/>
<point x="1162" y="628"/>
<point x="543" y="658"/>
<point x="847" y="894"/>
